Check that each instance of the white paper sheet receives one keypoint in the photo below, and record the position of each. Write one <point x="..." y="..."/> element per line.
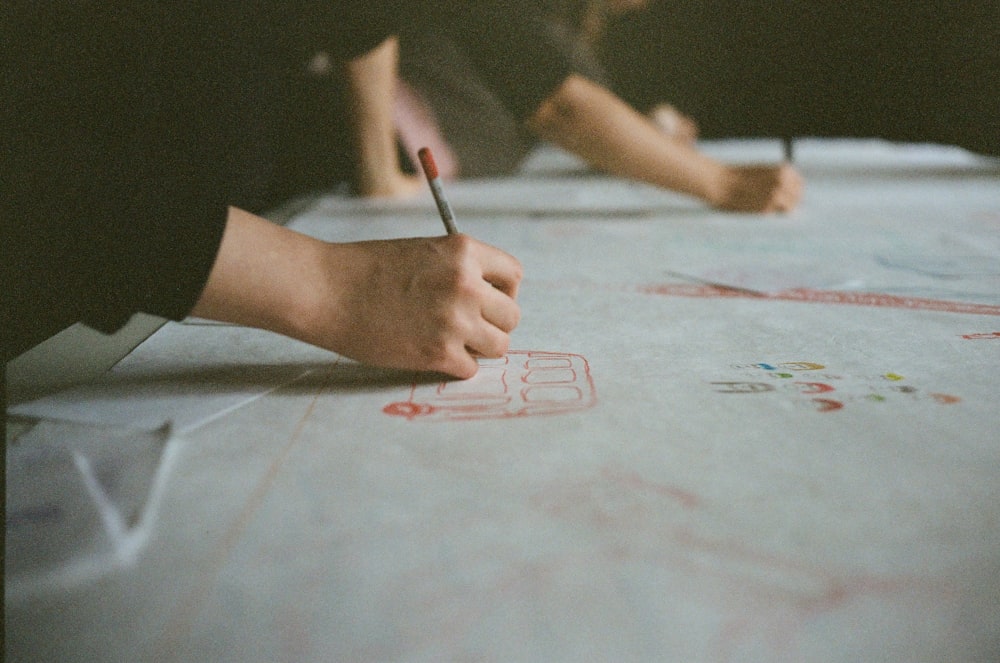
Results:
<point x="657" y="470"/>
<point x="186" y="374"/>
<point x="80" y="503"/>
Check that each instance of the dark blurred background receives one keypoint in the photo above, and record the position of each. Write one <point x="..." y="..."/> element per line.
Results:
<point x="920" y="70"/>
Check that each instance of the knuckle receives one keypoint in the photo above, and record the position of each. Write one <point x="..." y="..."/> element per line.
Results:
<point x="517" y="270"/>
<point x="515" y="318"/>
<point x="502" y="346"/>
<point x="462" y="243"/>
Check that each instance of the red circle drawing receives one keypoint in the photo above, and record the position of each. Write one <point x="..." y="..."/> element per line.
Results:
<point x="408" y="409"/>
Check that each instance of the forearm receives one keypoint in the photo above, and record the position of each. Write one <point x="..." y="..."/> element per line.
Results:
<point x="264" y="276"/>
<point x="431" y="304"/>
<point x="593" y="123"/>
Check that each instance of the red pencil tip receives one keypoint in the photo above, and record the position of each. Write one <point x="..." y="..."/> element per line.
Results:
<point x="427" y="161"/>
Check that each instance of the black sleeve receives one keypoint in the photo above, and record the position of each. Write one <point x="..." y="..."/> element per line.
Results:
<point x="516" y="48"/>
<point x="513" y="43"/>
<point x="111" y="200"/>
<point x="346" y="29"/>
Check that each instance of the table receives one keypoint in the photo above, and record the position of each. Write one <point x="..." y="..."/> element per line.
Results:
<point x="716" y="437"/>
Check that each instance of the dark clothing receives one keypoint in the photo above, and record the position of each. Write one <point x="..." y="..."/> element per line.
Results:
<point x="112" y="147"/>
<point x="128" y="128"/>
<point x="459" y="70"/>
<point x="910" y="71"/>
<point x="511" y="46"/>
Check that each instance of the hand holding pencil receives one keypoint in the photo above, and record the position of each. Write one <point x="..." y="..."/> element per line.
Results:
<point x="433" y="304"/>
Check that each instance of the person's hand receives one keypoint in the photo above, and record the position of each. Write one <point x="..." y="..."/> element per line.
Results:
<point x="592" y="122"/>
<point x="758" y="188"/>
<point x="431" y="304"/>
<point x="427" y="304"/>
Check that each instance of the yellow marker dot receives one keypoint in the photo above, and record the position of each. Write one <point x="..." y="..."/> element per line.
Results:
<point x="893" y="376"/>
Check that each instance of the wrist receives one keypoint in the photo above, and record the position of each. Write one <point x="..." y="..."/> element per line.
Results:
<point x="264" y="276"/>
<point x="716" y="186"/>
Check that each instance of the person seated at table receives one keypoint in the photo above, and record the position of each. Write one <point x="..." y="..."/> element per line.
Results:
<point x="589" y="19"/>
<point x="469" y="70"/>
<point x="135" y="141"/>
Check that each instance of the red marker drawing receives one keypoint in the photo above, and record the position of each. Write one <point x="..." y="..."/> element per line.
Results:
<point x="431" y="171"/>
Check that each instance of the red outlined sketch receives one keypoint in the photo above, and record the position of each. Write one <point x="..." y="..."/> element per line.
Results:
<point x="982" y="336"/>
<point x="811" y="296"/>
<point x="522" y="383"/>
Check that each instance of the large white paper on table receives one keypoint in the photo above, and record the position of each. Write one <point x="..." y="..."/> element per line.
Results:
<point x="185" y="374"/>
<point x="644" y="476"/>
<point x="656" y="470"/>
<point x="80" y="503"/>
<point x="875" y="220"/>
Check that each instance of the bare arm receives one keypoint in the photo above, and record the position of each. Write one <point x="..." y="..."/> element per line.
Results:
<point x="371" y="84"/>
<point x="589" y="120"/>
<point x="425" y="304"/>
<point x="674" y="123"/>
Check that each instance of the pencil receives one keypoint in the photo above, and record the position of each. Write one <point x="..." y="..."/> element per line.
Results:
<point x="431" y="171"/>
<point x="787" y="144"/>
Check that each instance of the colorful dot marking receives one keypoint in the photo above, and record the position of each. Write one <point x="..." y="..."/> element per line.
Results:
<point x="801" y="366"/>
<point x="828" y="404"/>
